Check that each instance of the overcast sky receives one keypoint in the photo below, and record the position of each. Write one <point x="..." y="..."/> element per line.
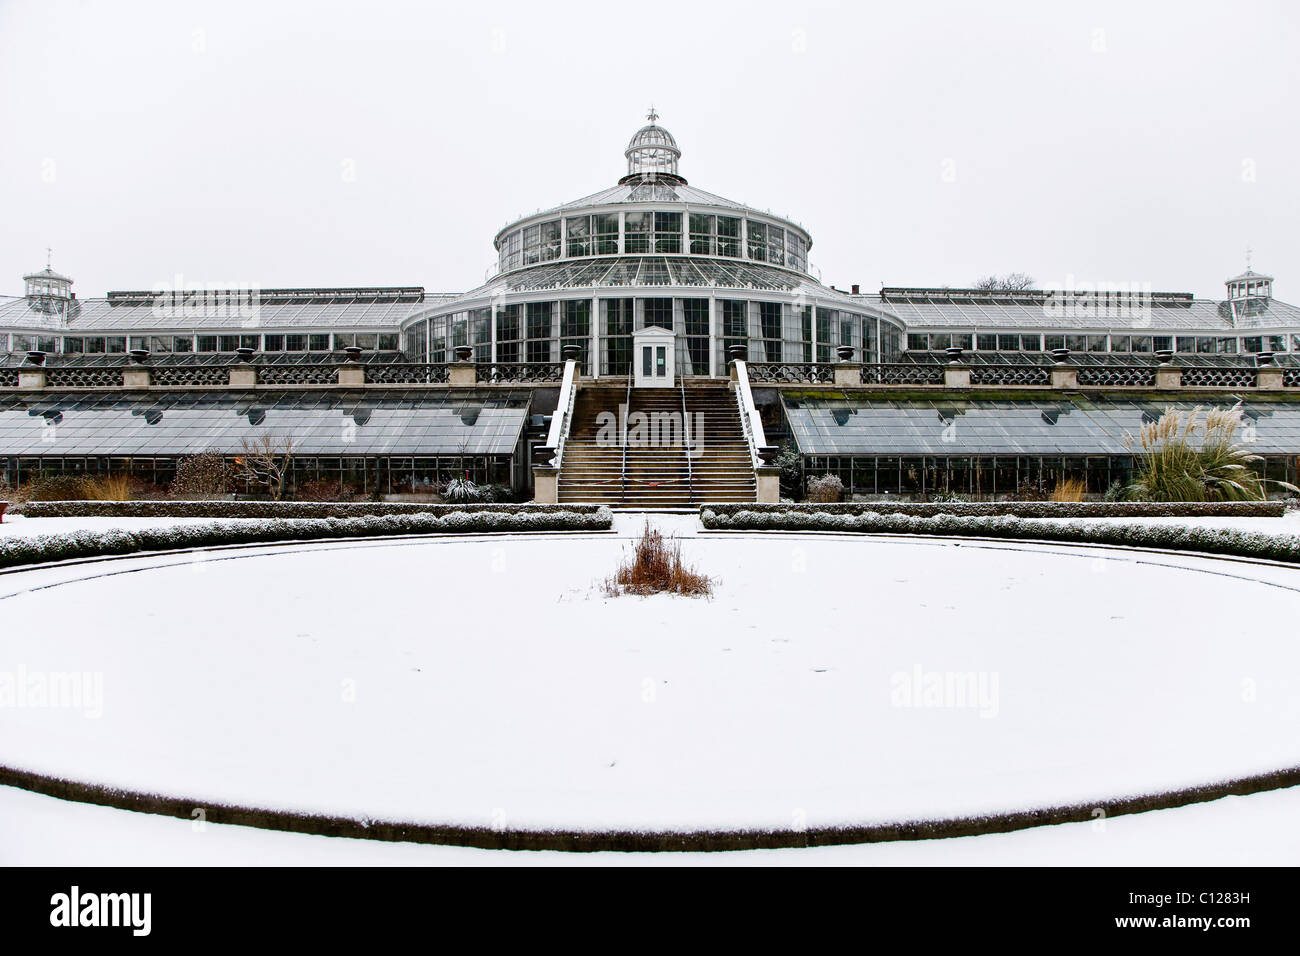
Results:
<point x="314" y="144"/>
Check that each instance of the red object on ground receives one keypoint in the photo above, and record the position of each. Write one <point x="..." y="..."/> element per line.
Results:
<point x="3" y="506"/>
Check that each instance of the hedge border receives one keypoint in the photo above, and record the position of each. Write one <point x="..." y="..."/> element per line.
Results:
<point x="222" y="508"/>
<point x="1219" y="541"/>
<point x="632" y="841"/>
<point x="1029" y="509"/>
<point x="20" y="550"/>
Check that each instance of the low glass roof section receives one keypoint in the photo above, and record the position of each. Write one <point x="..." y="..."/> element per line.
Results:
<point x="361" y="423"/>
<point x="944" y="427"/>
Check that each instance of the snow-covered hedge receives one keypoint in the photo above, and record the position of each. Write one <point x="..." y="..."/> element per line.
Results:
<point x="1249" y="544"/>
<point x="271" y="509"/>
<point x="1033" y="509"/>
<point x="35" y="549"/>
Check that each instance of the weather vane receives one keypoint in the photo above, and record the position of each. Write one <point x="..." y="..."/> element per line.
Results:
<point x="652" y="115"/>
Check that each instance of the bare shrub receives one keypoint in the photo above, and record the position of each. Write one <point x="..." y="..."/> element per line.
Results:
<point x="321" y="490"/>
<point x="201" y="477"/>
<point x="656" y="567"/>
<point x="826" y="489"/>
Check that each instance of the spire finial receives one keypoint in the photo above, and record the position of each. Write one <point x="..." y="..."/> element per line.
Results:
<point x="652" y="115"/>
<point x="1249" y="251"/>
<point x="49" y="254"/>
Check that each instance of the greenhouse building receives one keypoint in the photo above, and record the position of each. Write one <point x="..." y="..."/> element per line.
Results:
<point x="655" y="297"/>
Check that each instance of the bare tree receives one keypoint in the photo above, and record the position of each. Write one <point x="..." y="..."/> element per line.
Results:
<point x="1011" y="282"/>
<point x="266" y="462"/>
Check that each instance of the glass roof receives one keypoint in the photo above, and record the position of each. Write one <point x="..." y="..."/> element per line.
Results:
<point x="1112" y="359"/>
<point x="616" y="271"/>
<point x="108" y="316"/>
<point x="942" y="427"/>
<point x="191" y="359"/>
<point x="350" y="423"/>
<point x="1173" y="314"/>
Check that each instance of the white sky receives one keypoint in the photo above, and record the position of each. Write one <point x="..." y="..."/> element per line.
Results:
<point x="1109" y="142"/>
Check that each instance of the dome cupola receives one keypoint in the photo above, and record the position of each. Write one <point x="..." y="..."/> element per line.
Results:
<point x="47" y="290"/>
<point x="652" y="154"/>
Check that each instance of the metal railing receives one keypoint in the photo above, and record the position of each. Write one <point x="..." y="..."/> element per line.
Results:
<point x="408" y="373"/>
<point x="1116" y="375"/>
<point x="902" y="374"/>
<point x="1200" y="376"/>
<point x="184" y="376"/>
<point x="1010" y="375"/>
<point x="686" y="436"/>
<point x="750" y="421"/>
<point x="792" y="373"/>
<point x="627" y="413"/>
<point x="297" y="374"/>
<point x="524" y="373"/>
<point x="562" y="420"/>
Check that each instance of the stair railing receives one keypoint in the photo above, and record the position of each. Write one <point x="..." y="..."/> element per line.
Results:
<point x="686" y="435"/>
<point x="750" y="420"/>
<point x="627" y="413"/>
<point x="562" y="420"/>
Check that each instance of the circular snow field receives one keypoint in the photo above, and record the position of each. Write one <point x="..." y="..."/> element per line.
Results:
<point x="488" y="682"/>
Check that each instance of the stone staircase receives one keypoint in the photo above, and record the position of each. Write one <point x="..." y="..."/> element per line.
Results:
<point x="659" y="472"/>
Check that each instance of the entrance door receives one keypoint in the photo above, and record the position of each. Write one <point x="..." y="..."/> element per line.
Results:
<point x="654" y="367"/>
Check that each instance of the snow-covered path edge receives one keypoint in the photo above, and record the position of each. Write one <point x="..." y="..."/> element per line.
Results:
<point x="634" y="841"/>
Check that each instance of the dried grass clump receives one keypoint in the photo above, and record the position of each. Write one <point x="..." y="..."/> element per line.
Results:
<point x="107" y="488"/>
<point x="1069" y="489"/>
<point x="656" y="567"/>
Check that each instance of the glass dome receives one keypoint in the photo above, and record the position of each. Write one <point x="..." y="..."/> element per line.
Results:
<point x="652" y="152"/>
<point x="47" y="284"/>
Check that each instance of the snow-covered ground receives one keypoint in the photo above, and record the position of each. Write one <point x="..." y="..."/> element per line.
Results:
<point x="489" y="681"/>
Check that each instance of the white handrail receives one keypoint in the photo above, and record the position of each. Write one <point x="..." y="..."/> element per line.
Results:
<point x="749" y="417"/>
<point x="560" y="421"/>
